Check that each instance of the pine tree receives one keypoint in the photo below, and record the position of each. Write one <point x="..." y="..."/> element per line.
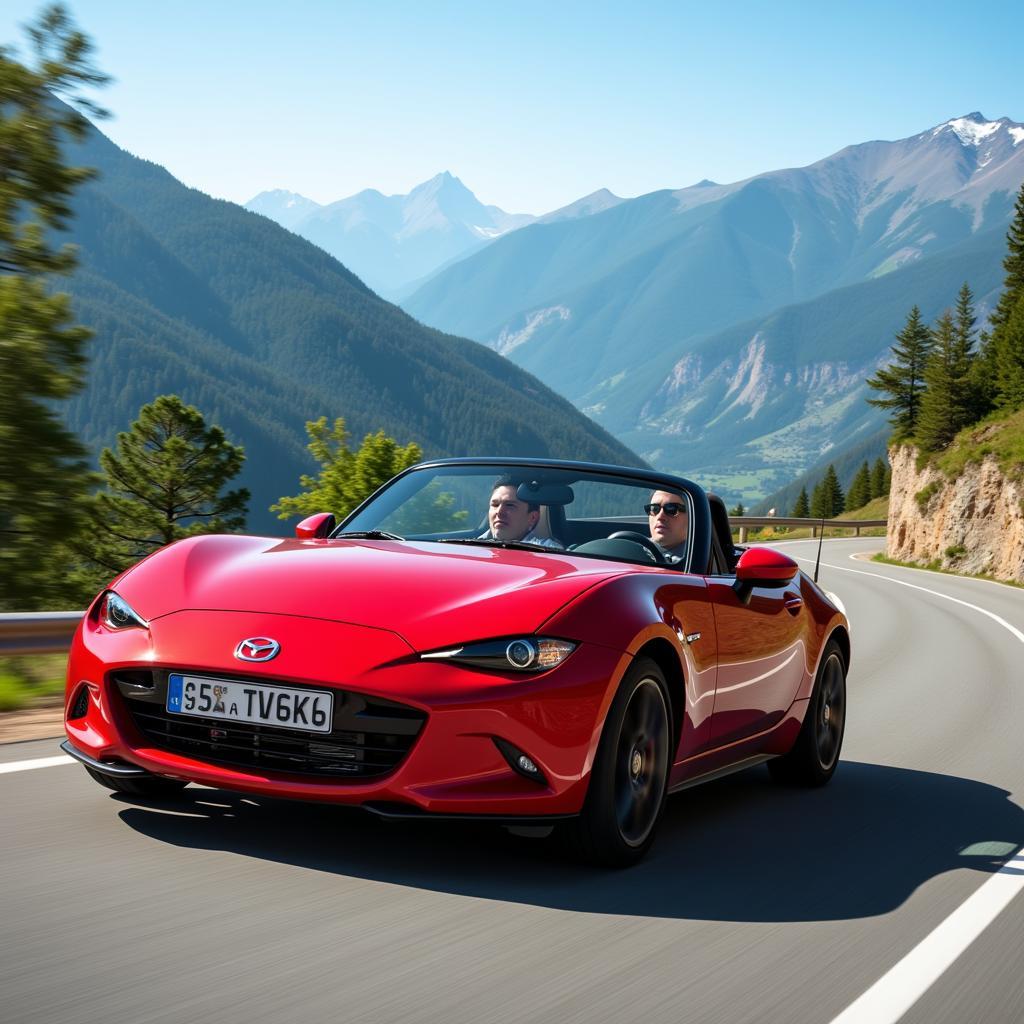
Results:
<point x="346" y="477"/>
<point x="739" y="510"/>
<point x="1007" y="321"/>
<point x="828" y="499"/>
<point x="819" y="501"/>
<point x="879" y="477"/>
<point x="44" y="478"/>
<point x="860" y="490"/>
<point x="1013" y="264"/>
<point x="834" y="491"/>
<point x="164" y="482"/>
<point x="801" y="507"/>
<point x="977" y="396"/>
<point x="946" y="406"/>
<point x="903" y="379"/>
<point x="1008" y="344"/>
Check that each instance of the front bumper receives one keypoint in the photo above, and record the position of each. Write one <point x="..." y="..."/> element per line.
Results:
<point x="453" y="767"/>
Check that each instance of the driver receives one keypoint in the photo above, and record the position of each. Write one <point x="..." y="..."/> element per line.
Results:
<point x="669" y="524"/>
<point x="512" y="519"/>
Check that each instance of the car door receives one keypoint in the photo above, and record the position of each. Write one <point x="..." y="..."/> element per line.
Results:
<point x="761" y="657"/>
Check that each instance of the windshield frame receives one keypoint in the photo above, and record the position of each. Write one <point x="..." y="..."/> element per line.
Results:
<point x="698" y="555"/>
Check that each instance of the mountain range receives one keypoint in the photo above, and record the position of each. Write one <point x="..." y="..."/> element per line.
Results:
<point x="263" y="331"/>
<point x="725" y="331"/>
<point x="391" y="242"/>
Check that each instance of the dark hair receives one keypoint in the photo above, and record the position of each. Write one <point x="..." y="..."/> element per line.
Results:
<point x="507" y="480"/>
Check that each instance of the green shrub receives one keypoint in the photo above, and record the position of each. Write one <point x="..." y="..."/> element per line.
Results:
<point x="925" y="495"/>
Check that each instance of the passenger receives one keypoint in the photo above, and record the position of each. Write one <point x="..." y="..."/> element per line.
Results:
<point x="511" y="518"/>
<point x="669" y="524"/>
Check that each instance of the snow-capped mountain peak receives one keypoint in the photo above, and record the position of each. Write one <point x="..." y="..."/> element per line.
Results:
<point x="971" y="130"/>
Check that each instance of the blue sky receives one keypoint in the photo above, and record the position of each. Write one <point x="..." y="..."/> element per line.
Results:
<point x="531" y="104"/>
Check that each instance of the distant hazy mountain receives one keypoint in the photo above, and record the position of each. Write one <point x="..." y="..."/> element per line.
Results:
<point x="263" y="331"/>
<point x="392" y="241"/>
<point x="287" y="208"/>
<point x="646" y="313"/>
<point x="596" y="202"/>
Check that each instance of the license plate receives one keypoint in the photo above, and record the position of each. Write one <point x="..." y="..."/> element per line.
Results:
<point x="255" y="703"/>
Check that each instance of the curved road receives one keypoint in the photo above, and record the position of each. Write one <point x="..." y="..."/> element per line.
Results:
<point x="758" y="904"/>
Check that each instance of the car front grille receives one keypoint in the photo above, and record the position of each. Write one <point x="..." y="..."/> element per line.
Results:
<point x="368" y="740"/>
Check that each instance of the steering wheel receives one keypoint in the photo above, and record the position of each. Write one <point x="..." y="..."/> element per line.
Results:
<point x="645" y="542"/>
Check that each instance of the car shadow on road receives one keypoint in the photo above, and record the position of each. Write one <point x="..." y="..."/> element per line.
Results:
<point x="742" y="849"/>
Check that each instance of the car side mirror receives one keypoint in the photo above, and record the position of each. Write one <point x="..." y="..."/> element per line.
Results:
<point x="763" y="567"/>
<point x="313" y="527"/>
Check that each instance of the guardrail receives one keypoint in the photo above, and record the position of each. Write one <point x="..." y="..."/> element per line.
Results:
<point x="743" y="524"/>
<point x="37" y="632"/>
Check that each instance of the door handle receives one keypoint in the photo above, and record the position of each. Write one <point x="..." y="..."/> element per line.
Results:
<point x="794" y="604"/>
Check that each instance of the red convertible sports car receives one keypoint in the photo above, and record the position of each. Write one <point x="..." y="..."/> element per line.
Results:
<point x="490" y="638"/>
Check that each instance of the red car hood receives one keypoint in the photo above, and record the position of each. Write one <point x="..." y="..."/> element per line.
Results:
<point x="430" y="594"/>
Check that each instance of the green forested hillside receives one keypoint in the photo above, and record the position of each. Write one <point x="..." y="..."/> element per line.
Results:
<point x="761" y="402"/>
<point x="846" y="459"/>
<point x="263" y="331"/>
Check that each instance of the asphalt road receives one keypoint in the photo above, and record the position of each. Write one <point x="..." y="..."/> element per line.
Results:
<point x="758" y="904"/>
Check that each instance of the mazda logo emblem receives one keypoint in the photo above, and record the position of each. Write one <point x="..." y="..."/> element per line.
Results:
<point x="257" y="648"/>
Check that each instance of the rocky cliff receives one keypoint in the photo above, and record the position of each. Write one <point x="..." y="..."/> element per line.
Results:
<point x="972" y="524"/>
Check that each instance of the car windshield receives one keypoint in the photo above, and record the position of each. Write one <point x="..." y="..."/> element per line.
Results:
<point x="545" y="508"/>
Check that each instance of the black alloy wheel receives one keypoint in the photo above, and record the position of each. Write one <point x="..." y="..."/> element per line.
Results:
<point x="815" y="754"/>
<point x="630" y="776"/>
<point x="830" y="712"/>
<point x="641" y="762"/>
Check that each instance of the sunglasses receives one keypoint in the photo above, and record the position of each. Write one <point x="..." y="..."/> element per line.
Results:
<point x="671" y="508"/>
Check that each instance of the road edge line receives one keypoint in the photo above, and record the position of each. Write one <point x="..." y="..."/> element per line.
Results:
<point x="39" y="762"/>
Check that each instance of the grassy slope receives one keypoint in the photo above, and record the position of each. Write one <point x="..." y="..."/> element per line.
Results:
<point x="1000" y="435"/>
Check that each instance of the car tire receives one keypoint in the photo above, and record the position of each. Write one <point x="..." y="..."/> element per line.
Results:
<point x="813" y="758"/>
<point x="138" y="785"/>
<point x="629" y="779"/>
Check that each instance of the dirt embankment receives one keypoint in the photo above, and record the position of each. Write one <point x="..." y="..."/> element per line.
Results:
<point x="35" y="723"/>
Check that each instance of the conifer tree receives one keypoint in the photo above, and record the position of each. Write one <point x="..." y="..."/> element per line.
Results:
<point x="860" y="490"/>
<point x="164" y="482"/>
<point x="1008" y="347"/>
<point x="819" y="502"/>
<point x="946" y="406"/>
<point x="902" y="381"/>
<point x="828" y="498"/>
<point x="346" y="477"/>
<point x="1007" y="321"/>
<point x="978" y="392"/>
<point x="43" y="475"/>
<point x="1013" y="264"/>
<point x="801" y="507"/>
<point x="879" y="487"/>
<point x="739" y="510"/>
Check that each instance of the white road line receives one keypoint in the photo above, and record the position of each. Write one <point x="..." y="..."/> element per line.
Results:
<point x="896" y="991"/>
<point x="903" y="985"/>
<point x="935" y="593"/>
<point x="39" y="762"/>
<point x="951" y="575"/>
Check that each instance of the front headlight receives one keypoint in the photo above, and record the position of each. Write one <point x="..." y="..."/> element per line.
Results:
<point x="516" y="654"/>
<point x="116" y="613"/>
